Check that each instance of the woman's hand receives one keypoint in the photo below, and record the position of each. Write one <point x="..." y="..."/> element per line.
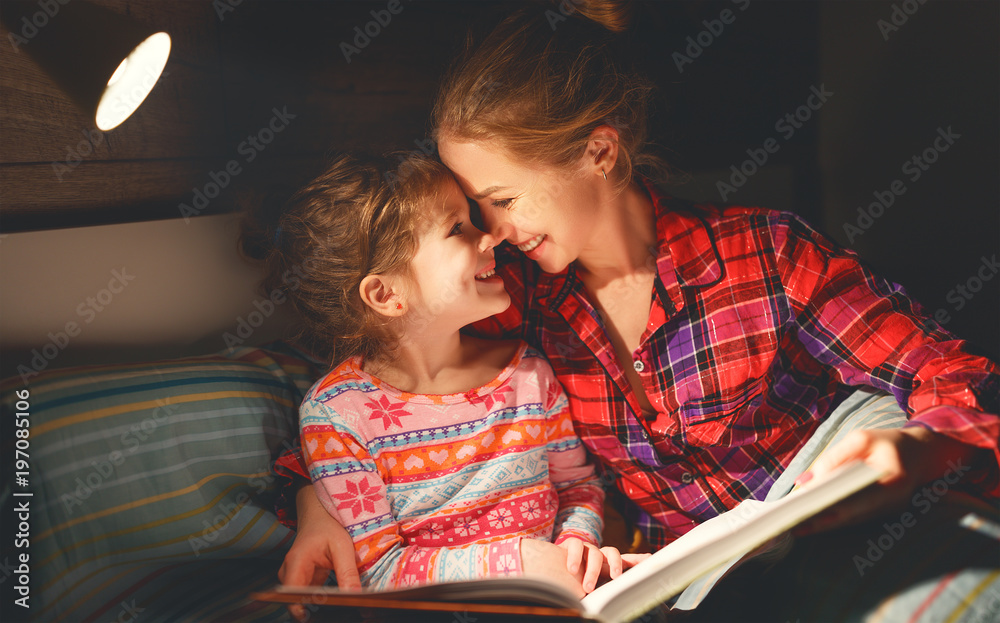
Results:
<point x="321" y="544"/>
<point x="909" y="457"/>
<point x="606" y="562"/>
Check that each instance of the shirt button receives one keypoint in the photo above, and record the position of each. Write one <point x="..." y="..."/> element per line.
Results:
<point x="687" y="478"/>
<point x="638" y="365"/>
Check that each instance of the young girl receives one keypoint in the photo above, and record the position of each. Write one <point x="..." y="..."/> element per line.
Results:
<point x="446" y="457"/>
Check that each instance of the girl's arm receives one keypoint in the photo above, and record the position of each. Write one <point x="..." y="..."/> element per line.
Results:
<point x="581" y="494"/>
<point x="351" y="487"/>
<point x="580" y="517"/>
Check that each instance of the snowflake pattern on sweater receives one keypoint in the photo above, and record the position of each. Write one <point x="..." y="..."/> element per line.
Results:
<point x="436" y="488"/>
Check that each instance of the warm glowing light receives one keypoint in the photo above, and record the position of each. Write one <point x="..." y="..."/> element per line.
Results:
<point x="115" y="77"/>
<point x="132" y="81"/>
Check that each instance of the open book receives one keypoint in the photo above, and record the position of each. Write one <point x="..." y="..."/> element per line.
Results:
<point x="710" y="546"/>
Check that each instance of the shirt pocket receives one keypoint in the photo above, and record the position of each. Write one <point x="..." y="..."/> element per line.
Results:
<point x="724" y="418"/>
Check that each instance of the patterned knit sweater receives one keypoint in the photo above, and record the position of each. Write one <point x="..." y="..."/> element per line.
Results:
<point x="435" y="488"/>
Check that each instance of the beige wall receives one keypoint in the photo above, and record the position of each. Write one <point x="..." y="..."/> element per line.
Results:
<point x="185" y="286"/>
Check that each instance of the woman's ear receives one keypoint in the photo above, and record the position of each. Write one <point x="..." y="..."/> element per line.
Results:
<point x="602" y="150"/>
<point x="377" y="292"/>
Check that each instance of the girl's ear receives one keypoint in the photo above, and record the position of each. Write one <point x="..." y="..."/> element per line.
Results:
<point x="602" y="150"/>
<point x="378" y="293"/>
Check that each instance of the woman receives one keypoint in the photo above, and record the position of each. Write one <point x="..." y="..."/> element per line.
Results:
<point x="700" y="348"/>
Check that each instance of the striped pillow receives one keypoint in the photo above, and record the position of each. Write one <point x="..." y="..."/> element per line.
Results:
<point x="152" y="485"/>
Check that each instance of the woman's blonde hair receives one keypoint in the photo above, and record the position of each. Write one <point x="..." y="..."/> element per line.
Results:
<point x="542" y="81"/>
<point x="359" y="217"/>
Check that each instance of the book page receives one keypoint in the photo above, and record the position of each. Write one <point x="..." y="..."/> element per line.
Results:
<point x="716" y="541"/>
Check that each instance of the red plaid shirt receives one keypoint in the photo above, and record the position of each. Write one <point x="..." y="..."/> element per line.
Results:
<point x="759" y="327"/>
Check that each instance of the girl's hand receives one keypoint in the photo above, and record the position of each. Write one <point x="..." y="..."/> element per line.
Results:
<point x="606" y="562"/>
<point x="320" y="545"/>
<point x="909" y="457"/>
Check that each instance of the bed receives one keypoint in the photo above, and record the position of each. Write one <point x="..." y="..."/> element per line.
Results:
<point x="152" y="488"/>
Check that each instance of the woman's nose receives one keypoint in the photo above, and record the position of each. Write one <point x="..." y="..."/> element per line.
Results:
<point x="495" y="222"/>
<point x="500" y="228"/>
<point x="487" y="241"/>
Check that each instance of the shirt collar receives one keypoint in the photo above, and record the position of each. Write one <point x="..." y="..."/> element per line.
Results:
<point x="685" y="238"/>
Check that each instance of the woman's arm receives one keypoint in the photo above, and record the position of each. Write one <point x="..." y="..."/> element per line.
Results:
<point x="320" y="544"/>
<point x="909" y="456"/>
<point x="871" y="333"/>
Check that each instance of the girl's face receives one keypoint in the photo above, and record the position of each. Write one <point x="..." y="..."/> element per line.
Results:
<point x="453" y="270"/>
<point x="549" y="214"/>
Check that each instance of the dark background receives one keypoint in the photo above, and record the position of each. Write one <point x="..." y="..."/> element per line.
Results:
<point x="231" y="65"/>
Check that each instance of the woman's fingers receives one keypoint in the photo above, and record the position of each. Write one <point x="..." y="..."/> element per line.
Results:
<point x="345" y="567"/>
<point x="901" y="455"/>
<point x="854" y="445"/>
<point x="296" y="571"/>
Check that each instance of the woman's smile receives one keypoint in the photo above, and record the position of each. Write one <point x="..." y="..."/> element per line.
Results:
<point x="532" y="244"/>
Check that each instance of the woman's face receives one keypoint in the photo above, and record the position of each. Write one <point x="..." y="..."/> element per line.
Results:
<point x="548" y="213"/>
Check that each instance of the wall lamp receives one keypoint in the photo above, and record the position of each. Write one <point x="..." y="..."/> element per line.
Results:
<point x="106" y="62"/>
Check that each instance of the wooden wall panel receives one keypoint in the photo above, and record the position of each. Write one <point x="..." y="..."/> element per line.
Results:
<point x="228" y="71"/>
<point x="181" y="118"/>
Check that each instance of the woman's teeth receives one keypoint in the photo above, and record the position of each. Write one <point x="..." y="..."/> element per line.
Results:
<point x="530" y="245"/>
<point x="487" y="274"/>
